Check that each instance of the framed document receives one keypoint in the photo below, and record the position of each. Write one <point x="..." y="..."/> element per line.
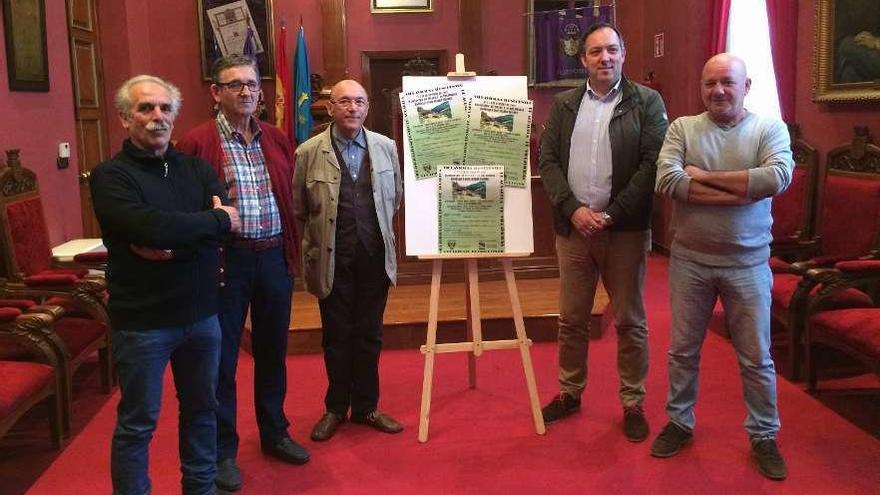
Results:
<point x="27" y="59"/>
<point x="400" y="6"/>
<point x="228" y="27"/>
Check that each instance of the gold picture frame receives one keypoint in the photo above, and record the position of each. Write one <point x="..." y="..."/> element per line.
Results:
<point x="400" y="6"/>
<point x="846" y="61"/>
<point x="260" y="12"/>
<point x="27" y="57"/>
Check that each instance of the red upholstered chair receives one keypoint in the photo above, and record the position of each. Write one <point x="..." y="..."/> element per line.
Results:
<point x="794" y="210"/>
<point x="848" y="228"/>
<point x="28" y="273"/>
<point x="73" y="339"/>
<point x="28" y="383"/>
<point x="854" y="332"/>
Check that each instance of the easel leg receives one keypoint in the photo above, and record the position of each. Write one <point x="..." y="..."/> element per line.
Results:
<point x="524" y="344"/>
<point x="429" y="350"/>
<point x="474" y="329"/>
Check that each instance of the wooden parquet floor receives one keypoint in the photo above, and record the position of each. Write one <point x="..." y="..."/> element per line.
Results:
<point x="406" y="313"/>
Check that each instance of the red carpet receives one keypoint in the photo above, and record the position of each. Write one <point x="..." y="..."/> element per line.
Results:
<point x="483" y="441"/>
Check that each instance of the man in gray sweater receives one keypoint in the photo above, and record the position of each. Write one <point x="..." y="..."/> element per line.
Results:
<point x="721" y="168"/>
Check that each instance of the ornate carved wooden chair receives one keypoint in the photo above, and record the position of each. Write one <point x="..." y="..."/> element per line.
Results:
<point x="794" y="211"/>
<point x="848" y="228"/>
<point x="28" y="274"/>
<point x="853" y="331"/>
<point x="27" y="383"/>
<point x="73" y="339"/>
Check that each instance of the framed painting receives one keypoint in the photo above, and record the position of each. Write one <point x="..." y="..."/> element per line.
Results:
<point x="27" y="58"/>
<point x="846" y="64"/>
<point x="228" y="27"/>
<point x="400" y="6"/>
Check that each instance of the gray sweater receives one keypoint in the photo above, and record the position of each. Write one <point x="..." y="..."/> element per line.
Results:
<point x="724" y="236"/>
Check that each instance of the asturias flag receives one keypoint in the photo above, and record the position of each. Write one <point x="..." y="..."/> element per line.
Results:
<point x="283" y="118"/>
<point x="302" y="92"/>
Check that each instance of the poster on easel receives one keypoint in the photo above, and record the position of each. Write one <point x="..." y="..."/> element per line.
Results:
<point x="435" y="120"/>
<point x="498" y="131"/>
<point x="470" y="209"/>
<point x="422" y="195"/>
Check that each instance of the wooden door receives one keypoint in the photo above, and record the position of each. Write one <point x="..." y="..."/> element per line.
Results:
<point x="88" y="96"/>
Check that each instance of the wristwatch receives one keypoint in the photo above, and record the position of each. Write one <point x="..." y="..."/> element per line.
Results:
<point x="606" y="218"/>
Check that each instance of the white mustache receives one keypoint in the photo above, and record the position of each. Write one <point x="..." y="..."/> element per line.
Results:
<point x="156" y="126"/>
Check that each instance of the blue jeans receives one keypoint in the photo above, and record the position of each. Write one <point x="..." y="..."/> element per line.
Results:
<point x="140" y="358"/>
<point x="745" y="294"/>
<point x="620" y="258"/>
<point x="259" y="280"/>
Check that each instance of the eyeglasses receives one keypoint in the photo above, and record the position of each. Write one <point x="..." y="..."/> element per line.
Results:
<point x="344" y="102"/>
<point x="238" y="86"/>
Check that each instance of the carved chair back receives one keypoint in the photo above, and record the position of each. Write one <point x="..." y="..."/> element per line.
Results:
<point x="24" y="238"/>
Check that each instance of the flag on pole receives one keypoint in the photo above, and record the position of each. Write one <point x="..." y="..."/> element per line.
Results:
<point x="283" y="117"/>
<point x="250" y="44"/>
<point x="302" y="89"/>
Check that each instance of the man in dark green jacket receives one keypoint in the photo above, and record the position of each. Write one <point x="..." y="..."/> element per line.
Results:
<point x="598" y="163"/>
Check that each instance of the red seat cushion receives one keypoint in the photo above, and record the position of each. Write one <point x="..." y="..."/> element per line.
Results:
<point x="17" y="303"/>
<point x="784" y="285"/>
<point x="8" y="314"/>
<point x="53" y="279"/>
<point x="859" y="328"/>
<point x="79" y="333"/>
<point x="21" y="381"/>
<point x="778" y="265"/>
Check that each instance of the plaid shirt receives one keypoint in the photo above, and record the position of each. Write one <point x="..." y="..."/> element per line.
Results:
<point x="247" y="180"/>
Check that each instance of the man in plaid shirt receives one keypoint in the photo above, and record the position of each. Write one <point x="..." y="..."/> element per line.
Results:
<point x="255" y="161"/>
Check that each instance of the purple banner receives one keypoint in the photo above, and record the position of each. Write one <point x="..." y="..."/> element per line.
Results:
<point x="557" y="40"/>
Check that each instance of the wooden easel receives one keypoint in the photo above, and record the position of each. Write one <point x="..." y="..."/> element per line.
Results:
<point x="475" y="345"/>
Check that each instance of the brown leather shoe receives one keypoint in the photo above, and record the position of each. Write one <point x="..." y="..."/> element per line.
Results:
<point x="379" y="421"/>
<point x="326" y="426"/>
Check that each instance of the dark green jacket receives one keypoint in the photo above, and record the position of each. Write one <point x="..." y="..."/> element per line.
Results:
<point x="636" y="130"/>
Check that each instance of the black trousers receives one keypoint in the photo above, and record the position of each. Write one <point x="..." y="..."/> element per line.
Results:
<point x="259" y="280"/>
<point x="352" y="319"/>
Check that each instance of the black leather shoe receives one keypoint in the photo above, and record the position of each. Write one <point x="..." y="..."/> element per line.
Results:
<point x="635" y="426"/>
<point x="288" y="451"/>
<point x="228" y="476"/>
<point x="326" y="426"/>
<point x="379" y="421"/>
<point x="562" y="406"/>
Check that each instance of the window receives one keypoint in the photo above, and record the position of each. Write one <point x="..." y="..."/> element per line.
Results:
<point x="748" y="37"/>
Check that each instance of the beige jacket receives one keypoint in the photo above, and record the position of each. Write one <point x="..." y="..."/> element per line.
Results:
<point x="315" y="198"/>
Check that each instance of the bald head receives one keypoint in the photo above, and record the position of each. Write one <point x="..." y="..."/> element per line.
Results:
<point x="724" y="86"/>
<point x="348" y="107"/>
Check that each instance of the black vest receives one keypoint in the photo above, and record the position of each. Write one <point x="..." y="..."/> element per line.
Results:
<point x="356" y="218"/>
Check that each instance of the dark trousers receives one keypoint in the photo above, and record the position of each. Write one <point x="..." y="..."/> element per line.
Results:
<point x="352" y="319"/>
<point x="258" y="279"/>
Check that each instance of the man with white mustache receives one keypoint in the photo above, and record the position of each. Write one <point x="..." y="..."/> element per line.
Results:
<point x="597" y="162"/>
<point x="255" y="162"/>
<point x="150" y="201"/>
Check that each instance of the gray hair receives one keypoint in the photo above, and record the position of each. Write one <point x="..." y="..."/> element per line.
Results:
<point x="123" y="94"/>
<point x="230" y="61"/>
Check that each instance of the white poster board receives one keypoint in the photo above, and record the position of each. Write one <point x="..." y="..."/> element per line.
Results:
<point x="420" y="196"/>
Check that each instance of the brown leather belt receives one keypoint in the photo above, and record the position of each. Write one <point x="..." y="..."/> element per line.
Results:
<point x="257" y="244"/>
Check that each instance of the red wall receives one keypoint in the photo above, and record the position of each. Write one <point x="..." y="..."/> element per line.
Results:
<point x="161" y="37"/>
<point x="37" y="122"/>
